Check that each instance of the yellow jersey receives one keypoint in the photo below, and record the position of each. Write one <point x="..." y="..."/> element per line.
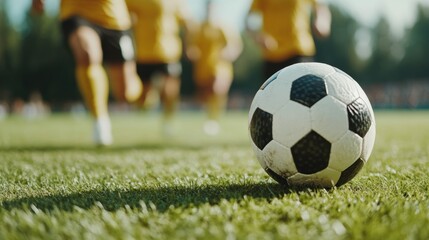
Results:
<point x="110" y="14"/>
<point x="156" y="25"/>
<point x="288" y="22"/>
<point x="211" y="39"/>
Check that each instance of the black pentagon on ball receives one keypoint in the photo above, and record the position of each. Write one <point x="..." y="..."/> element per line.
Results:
<point x="308" y="90"/>
<point x="359" y="117"/>
<point x="311" y="153"/>
<point x="261" y="128"/>
<point x="350" y="172"/>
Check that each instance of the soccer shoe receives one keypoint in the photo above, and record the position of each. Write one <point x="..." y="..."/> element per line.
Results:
<point x="102" y="135"/>
<point x="211" y="127"/>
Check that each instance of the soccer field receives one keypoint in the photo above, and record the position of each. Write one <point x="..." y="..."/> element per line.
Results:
<point x="55" y="185"/>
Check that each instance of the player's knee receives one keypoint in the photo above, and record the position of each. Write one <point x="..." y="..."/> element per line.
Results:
<point x="82" y="58"/>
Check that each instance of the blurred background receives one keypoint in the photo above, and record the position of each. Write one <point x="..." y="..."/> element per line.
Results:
<point x="383" y="44"/>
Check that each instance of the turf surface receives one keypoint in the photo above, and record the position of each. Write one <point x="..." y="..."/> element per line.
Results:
<point x="55" y="185"/>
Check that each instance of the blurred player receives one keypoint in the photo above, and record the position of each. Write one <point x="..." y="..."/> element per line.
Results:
<point x="213" y="48"/>
<point x="157" y="27"/>
<point x="286" y="32"/>
<point x="98" y="32"/>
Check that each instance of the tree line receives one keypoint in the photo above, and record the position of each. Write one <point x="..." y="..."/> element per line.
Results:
<point x="35" y="57"/>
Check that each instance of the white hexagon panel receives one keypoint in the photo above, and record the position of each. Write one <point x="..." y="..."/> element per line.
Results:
<point x="329" y="118"/>
<point x="291" y="123"/>
<point x="345" y="151"/>
<point x="279" y="159"/>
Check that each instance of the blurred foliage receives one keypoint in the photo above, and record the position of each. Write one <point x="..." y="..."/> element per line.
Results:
<point x="415" y="63"/>
<point x="339" y="48"/>
<point x="45" y="64"/>
<point x="35" y="58"/>
<point x="9" y="48"/>
<point x="382" y="64"/>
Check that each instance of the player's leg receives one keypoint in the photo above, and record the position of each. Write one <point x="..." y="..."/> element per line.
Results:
<point x="170" y="95"/>
<point x="146" y="71"/>
<point x="165" y="78"/>
<point x="126" y="84"/>
<point x="210" y="104"/>
<point x="219" y="94"/>
<point x="216" y="100"/>
<point x="118" y="50"/>
<point x="92" y="79"/>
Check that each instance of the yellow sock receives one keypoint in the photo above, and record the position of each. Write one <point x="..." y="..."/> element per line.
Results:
<point x="93" y="84"/>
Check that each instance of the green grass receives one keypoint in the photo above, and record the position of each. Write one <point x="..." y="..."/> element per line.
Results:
<point x="55" y="185"/>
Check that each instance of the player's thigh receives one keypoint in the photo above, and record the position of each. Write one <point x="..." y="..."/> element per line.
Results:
<point x="86" y="45"/>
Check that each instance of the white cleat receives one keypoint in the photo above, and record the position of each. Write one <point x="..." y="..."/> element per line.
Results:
<point x="102" y="135"/>
<point x="211" y="128"/>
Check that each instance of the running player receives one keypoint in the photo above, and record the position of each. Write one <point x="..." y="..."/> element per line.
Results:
<point x="98" y="33"/>
<point x="157" y="27"/>
<point x="213" y="48"/>
<point x="286" y="32"/>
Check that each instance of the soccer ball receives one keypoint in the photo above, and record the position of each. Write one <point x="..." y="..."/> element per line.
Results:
<point x="311" y="125"/>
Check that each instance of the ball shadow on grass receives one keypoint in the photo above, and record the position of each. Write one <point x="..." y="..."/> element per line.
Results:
<point x="160" y="197"/>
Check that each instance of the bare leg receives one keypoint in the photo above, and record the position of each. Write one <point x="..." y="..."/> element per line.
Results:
<point x="170" y="94"/>
<point x="215" y="97"/>
<point x="92" y="80"/>
<point x="126" y="84"/>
